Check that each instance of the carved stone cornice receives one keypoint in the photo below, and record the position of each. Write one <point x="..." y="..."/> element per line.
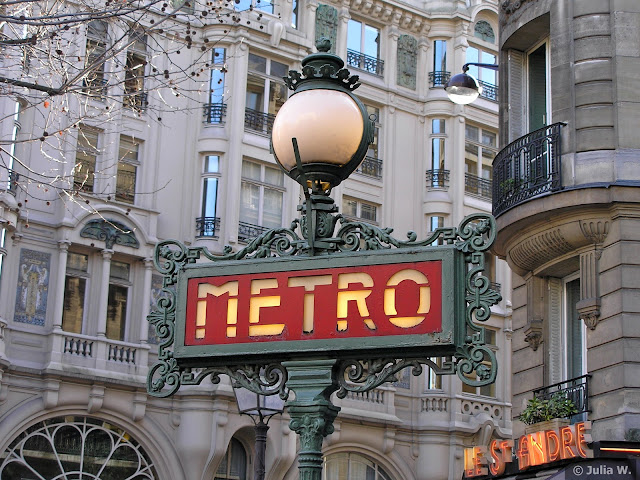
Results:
<point x="595" y="230"/>
<point x="539" y="249"/>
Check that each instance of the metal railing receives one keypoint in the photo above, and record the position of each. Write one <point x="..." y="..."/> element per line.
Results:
<point x="248" y="231"/>
<point x="207" y="226"/>
<point x="528" y="167"/>
<point x="576" y="390"/>
<point x="214" y="112"/>
<point x="438" y="78"/>
<point x="365" y="62"/>
<point x="12" y="182"/>
<point x="495" y="286"/>
<point x="477" y="185"/>
<point x="489" y="91"/>
<point x="438" y="178"/>
<point x="258" y="121"/>
<point x="371" y="167"/>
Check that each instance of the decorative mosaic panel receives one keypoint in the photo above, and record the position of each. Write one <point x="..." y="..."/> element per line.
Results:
<point x="327" y="24"/>
<point x="33" y="287"/>
<point x="407" y="61"/>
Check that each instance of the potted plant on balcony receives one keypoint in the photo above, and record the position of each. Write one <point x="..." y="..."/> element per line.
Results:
<point x="548" y="414"/>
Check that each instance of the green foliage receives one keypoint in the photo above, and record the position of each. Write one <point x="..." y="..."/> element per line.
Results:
<point x="538" y="410"/>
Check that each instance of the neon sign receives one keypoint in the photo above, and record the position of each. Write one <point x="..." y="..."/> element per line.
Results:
<point x="533" y="449"/>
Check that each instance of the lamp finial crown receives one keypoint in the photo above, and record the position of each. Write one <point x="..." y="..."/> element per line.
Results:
<point x="323" y="44"/>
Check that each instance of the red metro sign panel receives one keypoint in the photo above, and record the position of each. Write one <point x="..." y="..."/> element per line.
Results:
<point x="309" y="307"/>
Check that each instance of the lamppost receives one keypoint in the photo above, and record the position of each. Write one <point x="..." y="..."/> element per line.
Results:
<point x="463" y="88"/>
<point x="319" y="137"/>
<point x="260" y="408"/>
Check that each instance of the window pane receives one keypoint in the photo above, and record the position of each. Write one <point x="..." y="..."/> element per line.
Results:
<point x="354" y="31"/>
<point x="368" y="212"/>
<point x="279" y="69"/>
<point x="471" y="133"/>
<point x="251" y="170"/>
<point x="349" y="207"/>
<point x="371" y="41"/>
<point x="212" y="164"/>
<point x="209" y="197"/>
<point x="126" y="182"/>
<point x="116" y="311"/>
<point x="277" y="96"/>
<point x="272" y="208"/>
<point x="437" y="125"/>
<point x="255" y="93"/>
<point x="273" y="176"/>
<point x="119" y="270"/>
<point x="437" y="153"/>
<point x="440" y="55"/>
<point x="128" y="149"/>
<point x="257" y="63"/>
<point x="488" y="138"/>
<point x="249" y="201"/>
<point x="77" y="262"/>
<point x="73" y="310"/>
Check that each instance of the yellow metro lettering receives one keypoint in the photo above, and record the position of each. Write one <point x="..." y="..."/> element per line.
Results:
<point x="205" y="289"/>
<point x="358" y="296"/>
<point x="256" y="303"/>
<point x="309" y="284"/>
<point x="390" y="298"/>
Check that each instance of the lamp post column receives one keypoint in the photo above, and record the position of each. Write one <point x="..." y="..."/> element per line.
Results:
<point x="261" y="429"/>
<point x="312" y="413"/>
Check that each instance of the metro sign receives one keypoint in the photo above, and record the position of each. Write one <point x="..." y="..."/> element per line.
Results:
<point x="313" y="307"/>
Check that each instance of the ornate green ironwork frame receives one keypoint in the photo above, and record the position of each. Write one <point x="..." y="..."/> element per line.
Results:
<point x="472" y="238"/>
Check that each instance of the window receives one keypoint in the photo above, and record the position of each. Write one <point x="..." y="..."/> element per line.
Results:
<point x="96" y="47"/>
<point x="438" y="177"/>
<point x="262" y="5"/>
<point x="75" y="289"/>
<point x="352" y="466"/>
<point x="433" y="381"/>
<point x="371" y="165"/>
<point x="208" y="223"/>
<point x="261" y="196"/>
<point x="484" y="32"/>
<point x="486" y="390"/>
<point x="75" y="447"/>
<point x="435" y="223"/>
<point x="574" y="332"/>
<point x="480" y="150"/>
<point x="215" y="110"/>
<point x="234" y="463"/>
<point x="363" y="47"/>
<point x="294" y="14"/>
<point x="127" y="169"/>
<point x="86" y="155"/>
<point x="359" y="209"/>
<point x="265" y="92"/>
<point x="118" y="299"/>
<point x="537" y="86"/>
<point x="439" y="76"/>
<point x="485" y="76"/>
<point x="134" y="71"/>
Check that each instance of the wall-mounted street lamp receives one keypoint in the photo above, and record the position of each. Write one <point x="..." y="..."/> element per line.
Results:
<point x="463" y="88"/>
<point x="320" y="136"/>
<point x="260" y="408"/>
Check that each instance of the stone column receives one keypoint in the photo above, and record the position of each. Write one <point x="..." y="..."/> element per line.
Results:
<point x="343" y="24"/>
<point x="63" y="247"/>
<point x="104" y="293"/>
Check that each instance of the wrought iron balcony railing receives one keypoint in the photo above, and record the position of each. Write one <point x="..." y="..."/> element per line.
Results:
<point x="438" y="78"/>
<point x="477" y="185"/>
<point x="489" y="91"/>
<point x="214" y="112"/>
<point x="258" y="121"/>
<point x="248" y="231"/>
<point x="438" y="178"/>
<point x="207" y="226"/>
<point x="371" y="167"/>
<point x="527" y="167"/>
<point x="576" y="390"/>
<point x="365" y="62"/>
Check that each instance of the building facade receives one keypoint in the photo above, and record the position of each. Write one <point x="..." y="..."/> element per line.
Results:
<point x="77" y="275"/>
<point x="565" y="195"/>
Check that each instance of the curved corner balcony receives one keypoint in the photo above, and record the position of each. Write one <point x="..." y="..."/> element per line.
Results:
<point x="527" y="168"/>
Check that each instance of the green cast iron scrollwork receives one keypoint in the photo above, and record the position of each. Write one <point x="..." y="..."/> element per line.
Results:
<point x="474" y="236"/>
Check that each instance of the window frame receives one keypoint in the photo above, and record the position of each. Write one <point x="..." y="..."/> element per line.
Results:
<point x="262" y="184"/>
<point x="359" y="203"/>
<point x="89" y="151"/>
<point x="86" y="276"/>
<point x="128" y="284"/>
<point x="526" y="78"/>
<point x="133" y="162"/>
<point x="206" y="175"/>
<point x="264" y="117"/>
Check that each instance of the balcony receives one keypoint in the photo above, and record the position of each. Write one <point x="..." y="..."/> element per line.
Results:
<point x="527" y="168"/>
<point x="489" y="91"/>
<point x="365" y="62"/>
<point x="371" y="167"/>
<point x="12" y="182"/>
<point x="477" y="186"/>
<point x="258" y="121"/>
<point x="438" y="78"/>
<point x="214" y="113"/>
<point x="437" y="178"/>
<point x="248" y="231"/>
<point x="576" y="389"/>
<point x="207" y="226"/>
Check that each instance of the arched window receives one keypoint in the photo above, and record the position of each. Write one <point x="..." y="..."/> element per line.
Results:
<point x="75" y="447"/>
<point x="352" y="466"/>
<point x="483" y="31"/>
<point x="234" y="464"/>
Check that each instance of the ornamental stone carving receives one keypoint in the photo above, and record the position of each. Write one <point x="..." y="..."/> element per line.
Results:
<point x="539" y="249"/>
<point x="327" y="24"/>
<point x="407" y="61"/>
<point x="510" y="6"/>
